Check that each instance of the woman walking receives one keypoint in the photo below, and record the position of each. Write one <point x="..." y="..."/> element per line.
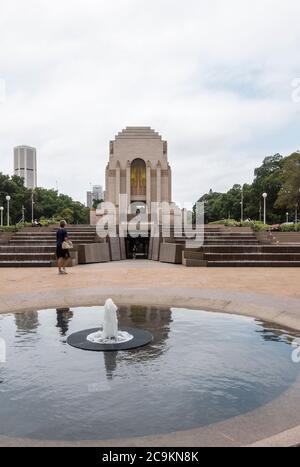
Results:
<point x="62" y="254"/>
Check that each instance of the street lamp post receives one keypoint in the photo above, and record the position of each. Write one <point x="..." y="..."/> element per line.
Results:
<point x="287" y="217"/>
<point x="1" y="212"/>
<point x="259" y="211"/>
<point x="296" y="213"/>
<point x="242" y="206"/>
<point x="32" y="208"/>
<point x="265" y="195"/>
<point x="8" y="198"/>
<point x="23" y="215"/>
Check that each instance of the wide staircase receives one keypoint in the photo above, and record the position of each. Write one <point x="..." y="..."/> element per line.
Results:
<point x="223" y="247"/>
<point x="35" y="247"/>
<point x="228" y="248"/>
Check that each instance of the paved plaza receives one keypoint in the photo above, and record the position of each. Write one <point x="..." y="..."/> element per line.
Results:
<point x="143" y="274"/>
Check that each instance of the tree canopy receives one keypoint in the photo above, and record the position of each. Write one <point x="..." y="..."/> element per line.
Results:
<point x="289" y="193"/>
<point x="48" y="204"/>
<point x="279" y="177"/>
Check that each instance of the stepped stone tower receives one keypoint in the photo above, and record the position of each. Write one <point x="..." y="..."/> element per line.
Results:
<point x="138" y="166"/>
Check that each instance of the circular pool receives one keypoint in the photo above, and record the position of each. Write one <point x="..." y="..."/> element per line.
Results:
<point x="201" y="368"/>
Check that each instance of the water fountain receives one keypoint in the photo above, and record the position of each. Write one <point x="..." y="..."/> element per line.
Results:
<point x="110" y="333"/>
<point x="109" y="337"/>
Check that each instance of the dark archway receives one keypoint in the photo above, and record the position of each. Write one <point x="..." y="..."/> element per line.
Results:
<point x="137" y="248"/>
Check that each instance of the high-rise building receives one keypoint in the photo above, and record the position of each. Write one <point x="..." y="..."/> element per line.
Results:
<point x="95" y="194"/>
<point x="89" y="199"/>
<point x="25" y="165"/>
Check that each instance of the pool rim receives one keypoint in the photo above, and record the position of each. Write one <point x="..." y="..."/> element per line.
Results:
<point x="237" y="431"/>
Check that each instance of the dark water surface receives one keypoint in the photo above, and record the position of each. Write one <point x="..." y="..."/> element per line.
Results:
<point x="201" y="368"/>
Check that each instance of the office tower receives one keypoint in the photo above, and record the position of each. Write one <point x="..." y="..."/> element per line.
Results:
<point x="89" y="199"/>
<point x="25" y="165"/>
<point x="95" y="194"/>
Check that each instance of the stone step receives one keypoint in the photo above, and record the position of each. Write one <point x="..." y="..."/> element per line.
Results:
<point x="194" y="263"/>
<point x="36" y="248"/>
<point x="240" y="252"/>
<point x="256" y="248"/>
<point x="205" y="232"/>
<point x="222" y="239"/>
<point x="280" y="248"/>
<point x="210" y="231"/>
<point x="27" y="256"/>
<point x="230" y="237"/>
<point x="47" y="242"/>
<point x="51" y="234"/>
<point x="243" y="254"/>
<point x="247" y="263"/>
<point x="75" y="229"/>
<point x="231" y="242"/>
<point x="26" y="249"/>
<point x="217" y="244"/>
<point x="40" y="231"/>
<point x="25" y="264"/>
<point x="52" y="237"/>
<point x="51" y="246"/>
<point x="251" y="249"/>
<point x="196" y="255"/>
<point x="213" y="230"/>
<point x="252" y="256"/>
<point x="41" y="234"/>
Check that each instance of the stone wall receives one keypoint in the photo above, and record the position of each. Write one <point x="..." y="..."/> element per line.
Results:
<point x="278" y="237"/>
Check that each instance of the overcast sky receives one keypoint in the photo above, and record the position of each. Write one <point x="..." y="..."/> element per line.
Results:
<point x="213" y="78"/>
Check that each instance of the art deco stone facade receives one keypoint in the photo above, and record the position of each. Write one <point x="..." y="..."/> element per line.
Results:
<point x="138" y="166"/>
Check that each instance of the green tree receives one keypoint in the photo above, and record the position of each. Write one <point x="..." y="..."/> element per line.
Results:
<point x="67" y="215"/>
<point x="231" y="202"/>
<point x="47" y="203"/>
<point x="20" y="196"/>
<point x="96" y="203"/>
<point x="81" y="214"/>
<point x="289" y="194"/>
<point x="212" y="208"/>
<point x="219" y="206"/>
<point x="267" y="178"/>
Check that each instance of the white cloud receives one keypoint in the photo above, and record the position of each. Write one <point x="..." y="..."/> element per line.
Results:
<point x="213" y="78"/>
